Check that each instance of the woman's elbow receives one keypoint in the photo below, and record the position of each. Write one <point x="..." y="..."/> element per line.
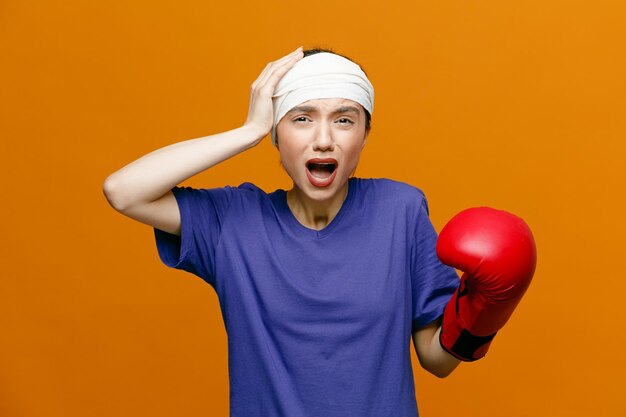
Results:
<point x="441" y="373"/>
<point x="110" y="189"/>
<point x="441" y="370"/>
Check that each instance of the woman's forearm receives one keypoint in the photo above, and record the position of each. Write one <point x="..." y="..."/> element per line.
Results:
<point x="431" y="355"/>
<point x="151" y="176"/>
<point x="439" y="362"/>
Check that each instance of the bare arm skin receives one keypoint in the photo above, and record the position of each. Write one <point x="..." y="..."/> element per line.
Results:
<point x="142" y="189"/>
<point x="431" y="355"/>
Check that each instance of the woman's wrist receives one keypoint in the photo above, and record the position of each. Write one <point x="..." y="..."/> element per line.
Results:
<point x="253" y="132"/>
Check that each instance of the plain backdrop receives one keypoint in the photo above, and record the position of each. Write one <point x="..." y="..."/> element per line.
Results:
<point x="515" y="105"/>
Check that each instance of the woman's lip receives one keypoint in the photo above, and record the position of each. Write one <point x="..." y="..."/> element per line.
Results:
<point x="322" y="161"/>
<point x="319" y="182"/>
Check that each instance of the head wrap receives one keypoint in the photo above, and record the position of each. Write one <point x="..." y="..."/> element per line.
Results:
<point x="321" y="75"/>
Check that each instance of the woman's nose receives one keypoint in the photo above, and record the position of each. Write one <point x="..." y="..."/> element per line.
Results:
<point x="323" y="138"/>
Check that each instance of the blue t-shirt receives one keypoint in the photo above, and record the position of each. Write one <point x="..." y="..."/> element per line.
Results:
<point x="319" y="322"/>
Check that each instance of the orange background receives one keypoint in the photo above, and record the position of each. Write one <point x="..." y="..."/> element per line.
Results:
<point x="515" y="105"/>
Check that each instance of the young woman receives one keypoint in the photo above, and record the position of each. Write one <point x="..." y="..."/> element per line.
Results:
<point x="321" y="286"/>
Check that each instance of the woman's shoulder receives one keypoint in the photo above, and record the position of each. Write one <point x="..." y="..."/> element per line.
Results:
<point x="223" y="196"/>
<point x="389" y="197"/>
<point x="245" y="189"/>
<point x="389" y="188"/>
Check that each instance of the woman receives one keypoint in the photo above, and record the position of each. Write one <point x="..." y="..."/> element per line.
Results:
<point x="320" y="286"/>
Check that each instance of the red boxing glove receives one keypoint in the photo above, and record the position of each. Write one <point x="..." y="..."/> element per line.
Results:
<point x="496" y="252"/>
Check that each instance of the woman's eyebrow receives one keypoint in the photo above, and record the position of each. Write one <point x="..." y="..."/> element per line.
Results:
<point x="347" y="109"/>
<point x="313" y="109"/>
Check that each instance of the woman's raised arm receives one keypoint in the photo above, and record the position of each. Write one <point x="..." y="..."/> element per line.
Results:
<point x="141" y="189"/>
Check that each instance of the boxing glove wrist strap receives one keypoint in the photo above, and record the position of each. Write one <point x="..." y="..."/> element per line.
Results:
<point x="455" y="338"/>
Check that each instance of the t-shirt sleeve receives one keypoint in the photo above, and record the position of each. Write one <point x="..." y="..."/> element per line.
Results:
<point x="202" y="213"/>
<point x="433" y="282"/>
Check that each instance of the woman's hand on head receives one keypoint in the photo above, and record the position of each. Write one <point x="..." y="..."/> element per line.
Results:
<point x="261" y="110"/>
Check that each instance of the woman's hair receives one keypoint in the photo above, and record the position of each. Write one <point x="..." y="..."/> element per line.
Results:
<point x="307" y="52"/>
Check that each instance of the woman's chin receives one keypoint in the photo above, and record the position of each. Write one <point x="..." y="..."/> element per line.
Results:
<point x="327" y="192"/>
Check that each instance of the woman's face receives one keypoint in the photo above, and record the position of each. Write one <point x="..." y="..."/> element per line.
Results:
<point x="320" y="143"/>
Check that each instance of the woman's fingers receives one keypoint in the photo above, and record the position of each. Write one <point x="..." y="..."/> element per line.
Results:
<point x="276" y="73"/>
<point x="260" y="110"/>
<point x="276" y="64"/>
<point x="263" y="76"/>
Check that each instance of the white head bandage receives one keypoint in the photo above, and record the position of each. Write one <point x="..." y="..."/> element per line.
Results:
<point x="321" y="75"/>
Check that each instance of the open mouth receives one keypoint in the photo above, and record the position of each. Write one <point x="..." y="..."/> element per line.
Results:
<point x="322" y="170"/>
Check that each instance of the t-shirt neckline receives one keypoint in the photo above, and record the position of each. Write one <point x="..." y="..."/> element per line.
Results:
<point x="299" y="228"/>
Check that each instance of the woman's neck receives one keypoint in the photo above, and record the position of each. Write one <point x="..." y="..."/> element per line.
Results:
<point x="315" y="214"/>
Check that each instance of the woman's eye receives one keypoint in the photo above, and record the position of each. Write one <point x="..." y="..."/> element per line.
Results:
<point x="342" y="121"/>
